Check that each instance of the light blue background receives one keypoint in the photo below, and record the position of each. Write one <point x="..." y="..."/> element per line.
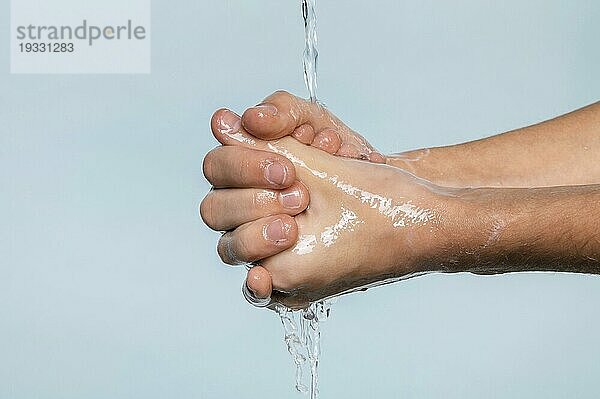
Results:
<point x="109" y="283"/>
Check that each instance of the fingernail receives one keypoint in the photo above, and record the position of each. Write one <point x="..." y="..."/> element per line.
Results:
<point x="291" y="199"/>
<point x="229" y="123"/>
<point x="266" y="110"/>
<point x="275" y="173"/>
<point x="275" y="231"/>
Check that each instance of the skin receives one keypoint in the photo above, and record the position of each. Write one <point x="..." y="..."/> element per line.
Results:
<point x="283" y="114"/>
<point x="481" y="230"/>
<point x="338" y="187"/>
<point x="560" y="152"/>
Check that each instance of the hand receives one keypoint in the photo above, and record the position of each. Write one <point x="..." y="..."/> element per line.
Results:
<point x="282" y="114"/>
<point x="365" y="223"/>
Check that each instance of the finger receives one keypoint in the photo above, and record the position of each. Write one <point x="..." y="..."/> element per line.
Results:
<point x="281" y="113"/>
<point x="227" y="128"/>
<point x="349" y="151"/>
<point x="376" y="157"/>
<point x="258" y="240"/>
<point x="328" y="141"/>
<point x="363" y="148"/>
<point x="359" y="151"/>
<point x="226" y="209"/>
<point x="239" y="167"/>
<point x="259" y="282"/>
<point x="304" y="134"/>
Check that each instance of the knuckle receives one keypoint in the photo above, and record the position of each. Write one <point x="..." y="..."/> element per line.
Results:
<point x="221" y="250"/>
<point x="281" y="94"/>
<point x="226" y="250"/>
<point x="265" y="200"/>
<point x="244" y="169"/>
<point x="243" y="250"/>
<point x="208" y="166"/>
<point x="207" y="211"/>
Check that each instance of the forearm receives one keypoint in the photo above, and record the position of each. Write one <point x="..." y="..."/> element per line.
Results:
<point x="559" y="152"/>
<point x="513" y="230"/>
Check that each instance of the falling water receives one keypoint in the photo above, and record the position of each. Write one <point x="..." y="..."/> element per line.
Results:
<point x="302" y="328"/>
<point x="311" y="55"/>
<point x="303" y="340"/>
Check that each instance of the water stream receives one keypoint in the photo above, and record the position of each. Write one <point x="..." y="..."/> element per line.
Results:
<point x="311" y="55"/>
<point x="303" y="340"/>
<point x="302" y="328"/>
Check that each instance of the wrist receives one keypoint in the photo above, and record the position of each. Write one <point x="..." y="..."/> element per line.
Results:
<point x="495" y="230"/>
<point x="476" y="227"/>
<point x="468" y="221"/>
<point x="535" y="229"/>
<point x="432" y="245"/>
<point x="410" y="161"/>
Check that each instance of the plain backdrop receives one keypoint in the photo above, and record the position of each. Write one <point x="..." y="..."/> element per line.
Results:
<point x="110" y="286"/>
